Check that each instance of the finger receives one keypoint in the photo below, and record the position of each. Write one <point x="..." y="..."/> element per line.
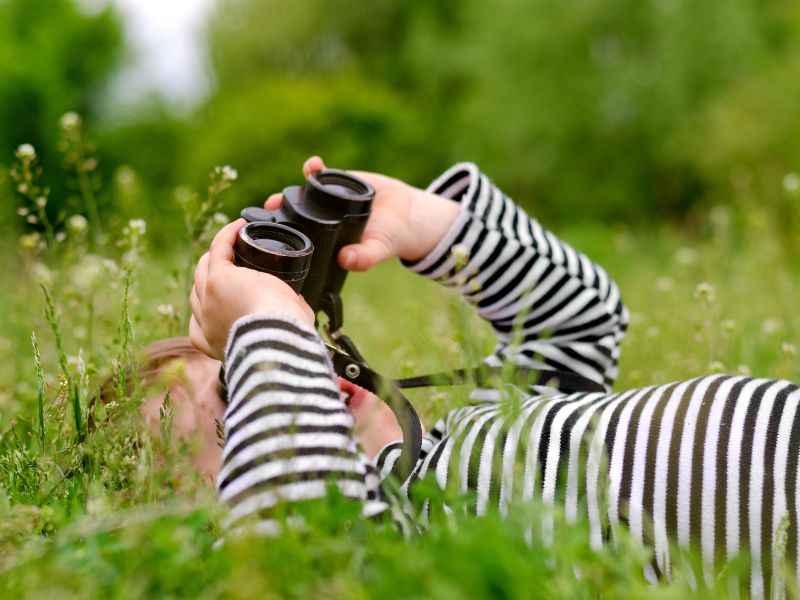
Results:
<point x="198" y="339"/>
<point x="312" y="165"/>
<point x="273" y="202"/>
<point x="200" y="276"/>
<point x="195" y="305"/>
<point x="221" y="252"/>
<point x="364" y="256"/>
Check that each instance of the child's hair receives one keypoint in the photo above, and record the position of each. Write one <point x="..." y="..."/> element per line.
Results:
<point x="150" y="364"/>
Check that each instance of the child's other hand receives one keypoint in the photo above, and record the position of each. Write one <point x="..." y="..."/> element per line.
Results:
<point x="405" y="222"/>
<point x="223" y="292"/>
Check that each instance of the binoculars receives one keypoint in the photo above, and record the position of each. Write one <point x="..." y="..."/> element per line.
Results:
<point x="299" y="242"/>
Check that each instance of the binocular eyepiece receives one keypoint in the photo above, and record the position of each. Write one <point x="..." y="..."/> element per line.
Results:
<point x="299" y="242"/>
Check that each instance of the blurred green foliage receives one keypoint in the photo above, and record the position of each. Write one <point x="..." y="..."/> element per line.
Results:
<point x="595" y="110"/>
<point x="54" y="58"/>
<point x="599" y="109"/>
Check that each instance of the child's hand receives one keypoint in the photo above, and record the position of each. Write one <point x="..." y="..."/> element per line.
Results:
<point x="223" y="292"/>
<point x="405" y="222"/>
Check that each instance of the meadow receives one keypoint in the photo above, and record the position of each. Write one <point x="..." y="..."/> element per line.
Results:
<point x="117" y="510"/>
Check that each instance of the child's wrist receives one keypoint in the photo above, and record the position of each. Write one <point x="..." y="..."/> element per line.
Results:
<point x="430" y="217"/>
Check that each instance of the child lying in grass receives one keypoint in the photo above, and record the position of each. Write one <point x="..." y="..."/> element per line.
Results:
<point x="709" y="463"/>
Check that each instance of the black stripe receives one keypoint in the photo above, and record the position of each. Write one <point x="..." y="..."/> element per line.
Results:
<point x="673" y="461"/>
<point x="630" y="451"/>
<point x="504" y="293"/>
<point x="317" y="357"/>
<point x="649" y="490"/>
<point x="269" y="484"/>
<point x="450" y="181"/>
<point x="274" y="409"/>
<point x="286" y="430"/>
<point x="744" y="472"/>
<point x="274" y="324"/>
<point x="698" y="446"/>
<point x="274" y="386"/>
<point x="769" y="487"/>
<point x="260" y="367"/>
<point x="791" y="490"/>
<point x="283" y="454"/>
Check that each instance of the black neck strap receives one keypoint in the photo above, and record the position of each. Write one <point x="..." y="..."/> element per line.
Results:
<point x="486" y="376"/>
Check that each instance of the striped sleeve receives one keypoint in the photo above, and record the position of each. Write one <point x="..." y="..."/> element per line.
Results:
<point x="560" y="309"/>
<point x="288" y="434"/>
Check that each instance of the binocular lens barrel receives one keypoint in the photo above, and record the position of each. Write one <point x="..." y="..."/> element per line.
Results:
<point x="341" y="184"/>
<point x="275" y="249"/>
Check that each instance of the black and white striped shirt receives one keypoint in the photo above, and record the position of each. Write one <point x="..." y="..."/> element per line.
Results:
<point x="709" y="463"/>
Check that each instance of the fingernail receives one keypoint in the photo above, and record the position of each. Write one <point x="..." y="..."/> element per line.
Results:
<point x="349" y="258"/>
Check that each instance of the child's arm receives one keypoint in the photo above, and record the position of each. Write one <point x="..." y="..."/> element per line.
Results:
<point x="288" y="434"/>
<point x="563" y="310"/>
<point x="548" y="304"/>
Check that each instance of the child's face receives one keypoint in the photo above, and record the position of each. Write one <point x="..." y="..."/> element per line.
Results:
<point x="197" y="406"/>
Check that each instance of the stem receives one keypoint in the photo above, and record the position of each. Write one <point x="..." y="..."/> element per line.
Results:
<point x="52" y="319"/>
<point x="37" y="361"/>
<point x="87" y="194"/>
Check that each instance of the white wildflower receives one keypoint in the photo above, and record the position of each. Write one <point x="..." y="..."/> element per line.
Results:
<point x="686" y="256"/>
<point x="41" y="273"/>
<point x="77" y="223"/>
<point x="23" y="211"/>
<point x="110" y="266"/>
<point x="26" y="151"/>
<point x="32" y="219"/>
<point x="789" y="349"/>
<point x="70" y="120"/>
<point x="770" y="326"/>
<point x="61" y="236"/>
<point x="137" y="226"/>
<point x="791" y="183"/>
<point x="664" y="284"/>
<point x="125" y="176"/>
<point x="716" y="366"/>
<point x="220" y="219"/>
<point x="743" y="370"/>
<point x="166" y="310"/>
<point x="705" y="292"/>
<point x="41" y="201"/>
<point x="229" y="173"/>
<point x="87" y="274"/>
<point x="728" y="325"/>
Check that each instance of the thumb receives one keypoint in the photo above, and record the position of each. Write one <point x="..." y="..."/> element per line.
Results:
<point x="365" y="255"/>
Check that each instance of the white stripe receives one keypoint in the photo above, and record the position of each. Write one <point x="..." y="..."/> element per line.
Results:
<point x="756" y="491"/>
<point x="576" y="438"/>
<point x="597" y="455"/>
<point x="510" y="454"/>
<point x="485" y="467"/>
<point x="636" y="504"/>
<point x="616" y="464"/>
<point x="466" y="449"/>
<point x="685" y="460"/>
<point x="284" y="420"/>
<point x="734" y="467"/>
<point x="269" y="398"/>
<point x="292" y="492"/>
<point x="779" y="508"/>
<point x="288" y="466"/>
<point x="292" y="441"/>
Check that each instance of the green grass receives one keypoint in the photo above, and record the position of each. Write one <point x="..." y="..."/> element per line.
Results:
<point x="119" y="512"/>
